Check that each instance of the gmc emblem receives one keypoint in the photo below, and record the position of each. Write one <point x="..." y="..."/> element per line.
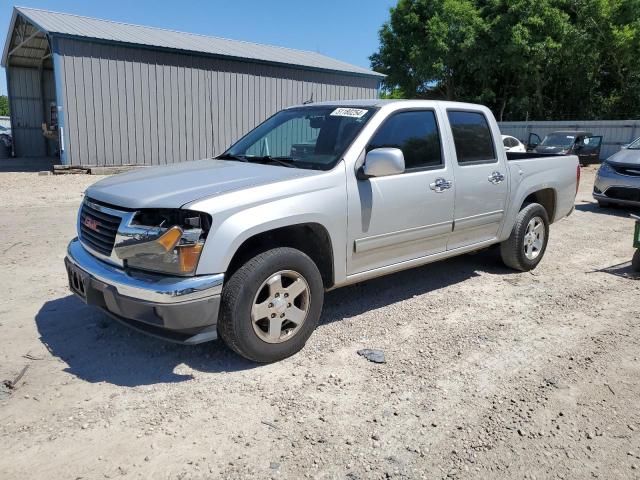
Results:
<point x="91" y="224"/>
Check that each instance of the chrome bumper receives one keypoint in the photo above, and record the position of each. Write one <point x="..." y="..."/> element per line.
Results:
<point x="146" y="287"/>
<point x="182" y="310"/>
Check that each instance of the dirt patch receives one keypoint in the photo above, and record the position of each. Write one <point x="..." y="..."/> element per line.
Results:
<point x="488" y="373"/>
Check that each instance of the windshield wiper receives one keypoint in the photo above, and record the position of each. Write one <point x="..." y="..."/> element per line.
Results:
<point x="230" y="156"/>
<point x="284" y="161"/>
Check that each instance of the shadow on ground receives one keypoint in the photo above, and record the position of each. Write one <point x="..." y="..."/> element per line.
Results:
<point x="613" y="210"/>
<point x="624" y="270"/>
<point x="99" y="349"/>
<point x="24" y="164"/>
<point x="96" y="348"/>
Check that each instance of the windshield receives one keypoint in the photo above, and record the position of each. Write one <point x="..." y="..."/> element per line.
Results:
<point x="635" y="145"/>
<point x="558" y="140"/>
<point x="312" y="137"/>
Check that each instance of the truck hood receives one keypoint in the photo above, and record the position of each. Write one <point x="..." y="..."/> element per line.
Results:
<point x="174" y="185"/>
<point x="625" y="157"/>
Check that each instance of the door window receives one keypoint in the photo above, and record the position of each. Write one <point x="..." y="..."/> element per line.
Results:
<point x="416" y="134"/>
<point x="472" y="137"/>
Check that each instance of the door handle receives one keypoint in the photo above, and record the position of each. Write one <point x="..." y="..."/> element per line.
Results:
<point x="496" y="177"/>
<point x="440" y="185"/>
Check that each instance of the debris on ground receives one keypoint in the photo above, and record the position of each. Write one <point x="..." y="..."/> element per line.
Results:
<point x="373" y="355"/>
<point x="12" y="384"/>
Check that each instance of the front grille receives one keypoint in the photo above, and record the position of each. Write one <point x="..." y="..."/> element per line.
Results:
<point x="623" y="193"/>
<point x="631" y="171"/>
<point x="98" y="229"/>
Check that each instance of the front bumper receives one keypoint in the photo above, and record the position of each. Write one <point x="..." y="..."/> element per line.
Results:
<point x="613" y="187"/>
<point x="179" y="309"/>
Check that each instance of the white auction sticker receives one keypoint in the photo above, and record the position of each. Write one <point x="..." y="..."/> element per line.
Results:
<point x="348" y="112"/>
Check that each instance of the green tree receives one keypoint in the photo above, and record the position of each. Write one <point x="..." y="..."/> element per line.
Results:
<point x="536" y="59"/>
<point x="425" y="44"/>
<point x="4" y="105"/>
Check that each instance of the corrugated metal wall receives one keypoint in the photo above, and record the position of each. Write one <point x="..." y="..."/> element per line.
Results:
<point x="27" y="109"/>
<point x="125" y="105"/>
<point x="614" y="132"/>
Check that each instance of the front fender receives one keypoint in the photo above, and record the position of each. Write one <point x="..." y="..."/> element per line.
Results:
<point x="244" y="215"/>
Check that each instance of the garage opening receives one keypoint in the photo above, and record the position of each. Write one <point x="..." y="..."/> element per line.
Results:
<point x="31" y="88"/>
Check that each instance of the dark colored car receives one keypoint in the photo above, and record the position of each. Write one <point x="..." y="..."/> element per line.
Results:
<point x="568" y="142"/>
<point x="5" y="136"/>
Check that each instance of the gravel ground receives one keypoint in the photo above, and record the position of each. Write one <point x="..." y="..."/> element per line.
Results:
<point x="489" y="373"/>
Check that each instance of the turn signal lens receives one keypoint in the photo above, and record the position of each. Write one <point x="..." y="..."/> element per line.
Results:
<point x="170" y="238"/>
<point x="189" y="256"/>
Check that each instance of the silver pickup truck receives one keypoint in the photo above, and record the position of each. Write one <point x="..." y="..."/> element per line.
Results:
<point x="318" y="196"/>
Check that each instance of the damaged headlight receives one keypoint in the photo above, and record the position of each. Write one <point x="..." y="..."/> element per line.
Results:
<point x="163" y="240"/>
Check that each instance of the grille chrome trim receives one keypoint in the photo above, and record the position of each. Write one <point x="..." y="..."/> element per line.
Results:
<point x="630" y="194"/>
<point x="100" y="241"/>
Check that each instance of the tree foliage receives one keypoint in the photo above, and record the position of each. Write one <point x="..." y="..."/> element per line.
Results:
<point x="4" y="106"/>
<point x="535" y="59"/>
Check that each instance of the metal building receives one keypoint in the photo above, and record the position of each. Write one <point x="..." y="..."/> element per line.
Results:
<point x="97" y="92"/>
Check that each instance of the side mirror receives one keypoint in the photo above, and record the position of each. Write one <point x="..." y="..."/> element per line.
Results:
<point x="381" y="162"/>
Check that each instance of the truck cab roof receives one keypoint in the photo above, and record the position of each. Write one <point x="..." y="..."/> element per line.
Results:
<point x="374" y="102"/>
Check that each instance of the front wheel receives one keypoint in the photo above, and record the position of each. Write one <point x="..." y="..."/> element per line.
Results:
<point x="525" y="247"/>
<point x="271" y="305"/>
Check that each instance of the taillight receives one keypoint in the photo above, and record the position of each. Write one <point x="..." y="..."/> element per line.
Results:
<point x="577" y="178"/>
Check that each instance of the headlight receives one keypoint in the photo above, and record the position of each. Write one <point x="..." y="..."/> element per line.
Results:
<point x="163" y="240"/>
<point x="605" y="167"/>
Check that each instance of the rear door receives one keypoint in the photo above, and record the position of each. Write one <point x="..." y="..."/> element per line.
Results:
<point x="481" y="178"/>
<point x="401" y="217"/>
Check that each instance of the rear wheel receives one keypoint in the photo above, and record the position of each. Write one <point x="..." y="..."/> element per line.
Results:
<point x="271" y="305"/>
<point x="525" y="247"/>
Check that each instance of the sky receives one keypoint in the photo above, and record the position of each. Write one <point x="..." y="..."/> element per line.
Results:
<point x="346" y="30"/>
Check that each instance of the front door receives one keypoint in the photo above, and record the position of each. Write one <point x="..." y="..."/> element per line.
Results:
<point x="588" y="149"/>
<point x="481" y="179"/>
<point x="401" y="217"/>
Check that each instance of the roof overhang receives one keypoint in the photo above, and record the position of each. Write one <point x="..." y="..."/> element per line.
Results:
<point x="56" y="24"/>
<point x="26" y="45"/>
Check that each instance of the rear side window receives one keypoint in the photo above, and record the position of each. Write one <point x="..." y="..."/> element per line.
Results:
<point x="413" y="132"/>
<point x="472" y="137"/>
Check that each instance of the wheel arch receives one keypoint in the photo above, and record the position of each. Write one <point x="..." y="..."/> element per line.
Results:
<point x="545" y="197"/>
<point x="311" y="238"/>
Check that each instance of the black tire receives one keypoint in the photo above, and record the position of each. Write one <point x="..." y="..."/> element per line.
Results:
<point x="635" y="261"/>
<point x="235" y="323"/>
<point x="512" y="250"/>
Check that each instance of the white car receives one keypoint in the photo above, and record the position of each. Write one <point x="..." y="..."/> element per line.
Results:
<point x="512" y="144"/>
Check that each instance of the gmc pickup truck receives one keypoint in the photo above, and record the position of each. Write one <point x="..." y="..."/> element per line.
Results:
<point x="244" y="246"/>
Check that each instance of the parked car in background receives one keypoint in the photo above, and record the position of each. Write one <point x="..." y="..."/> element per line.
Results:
<point x="575" y="142"/>
<point x="618" y="179"/>
<point x="512" y="144"/>
<point x="317" y="197"/>
<point x="5" y="136"/>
